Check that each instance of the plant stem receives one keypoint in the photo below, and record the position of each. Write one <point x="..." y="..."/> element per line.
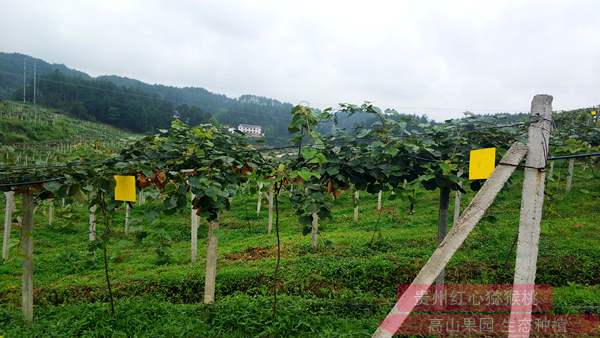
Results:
<point x="105" y="238"/>
<point x="110" y="296"/>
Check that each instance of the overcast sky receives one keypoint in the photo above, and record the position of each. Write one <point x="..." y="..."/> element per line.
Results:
<point x="433" y="57"/>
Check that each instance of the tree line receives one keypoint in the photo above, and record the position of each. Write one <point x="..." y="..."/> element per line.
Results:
<point x="103" y="101"/>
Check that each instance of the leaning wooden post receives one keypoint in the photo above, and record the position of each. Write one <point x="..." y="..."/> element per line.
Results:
<point x="10" y="207"/>
<point x="570" y="175"/>
<point x="210" y="275"/>
<point x="531" y="212"/>
<point x="27" y="254"/>
<point x="270" y="224"/>
<point x="356" y="206"/>
<point x="379" y="200"/>
<point x="314" y="231"/>
<point x="459" y="232"/>
<point x="195" y="220"/>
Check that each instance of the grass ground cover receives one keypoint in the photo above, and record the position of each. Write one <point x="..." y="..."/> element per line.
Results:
<point x="344" y="289"/>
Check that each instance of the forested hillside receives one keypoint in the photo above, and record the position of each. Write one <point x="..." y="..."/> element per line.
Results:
<point x="132" y="104"/>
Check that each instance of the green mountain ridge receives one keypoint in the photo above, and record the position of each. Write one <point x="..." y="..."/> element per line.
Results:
<point x="132" y="104"/>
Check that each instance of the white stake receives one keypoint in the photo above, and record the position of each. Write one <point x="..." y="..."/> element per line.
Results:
<point x="210" y="275"/>
<point x="127" y="218"/>
<point x="570" y="175"/>
<point x="314" y="231"/>
<point x="379" y="200"/>
<point x="10" y="207"/>
<point x="50" y="212"/>
<point x="259" y="201"/>
<point x="531" y="213"/>
<point x="141" y="197"/>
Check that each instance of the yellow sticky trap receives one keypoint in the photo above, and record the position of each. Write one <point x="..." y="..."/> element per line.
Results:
<point x="482" y="163"/>
<point x="125" y="188"/>
<point x="594" y="113"/>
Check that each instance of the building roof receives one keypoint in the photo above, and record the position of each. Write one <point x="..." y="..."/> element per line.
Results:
<point x="242" y="125"/>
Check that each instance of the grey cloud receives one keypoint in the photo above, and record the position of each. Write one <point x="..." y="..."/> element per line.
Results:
<point x="433" y="57"/>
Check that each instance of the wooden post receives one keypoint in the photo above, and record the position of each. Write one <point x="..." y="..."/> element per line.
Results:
<point x="127" y="218"/>
<point x="459" y="232"/>
<point x="92" y="223"/>
<point x="10" y="207"/>
<point x="442" y="231"/>
<point x="211" y="264"/>
<point x="270" y="225"/>
<point x="314" y="231"/>
<point x="570" y="175"/>
<point x="27" y="254"/>
<point x="379" y="200"/>
<point x="356" y="206"/>
<point x="195" y="220"/>
<point x="531" y="211"/>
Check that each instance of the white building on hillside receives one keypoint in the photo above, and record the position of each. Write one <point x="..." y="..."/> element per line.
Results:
<point x="251" y="130"/>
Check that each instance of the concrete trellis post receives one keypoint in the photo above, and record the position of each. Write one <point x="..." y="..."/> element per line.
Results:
<point x="127" y="214"/>
<point x="27" y="254"/>
<point x="570" y="174"/>
<point x="141" y="197"/>
<point x="259" y="200"/>
<point x="210" y="275"/>
<point x="50" y="212"/>
<point x="531" y="209"/>
<point x="10" y="207"/>
<point x="314" y="234"/>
